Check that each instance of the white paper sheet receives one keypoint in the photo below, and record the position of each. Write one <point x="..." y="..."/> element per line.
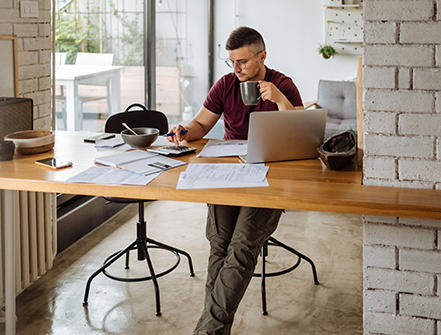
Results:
<point x="139" y="161"/>
<point x="223" y="176"/>
<point x="161" y="140"/>
<point x="224" y="148"/>
<point x="116" y="143"/>
<point x="109" y="175"/>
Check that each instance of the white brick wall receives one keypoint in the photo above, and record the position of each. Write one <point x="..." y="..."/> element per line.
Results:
<point x="399" y="101"/>
<point x="34" y="50"/>
<point x="381" y="301"/>
<point x="401" y="55"/>
<point x="402" y="146"/>
<point x="380" y="77"/>
<point x="385" y="323"/>
<point x="396" y="10"/>
<point x="380" y="32"/>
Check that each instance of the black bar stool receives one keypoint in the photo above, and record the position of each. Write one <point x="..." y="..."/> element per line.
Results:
<point x="141" y="244"/>
<point x="273" y="242"/>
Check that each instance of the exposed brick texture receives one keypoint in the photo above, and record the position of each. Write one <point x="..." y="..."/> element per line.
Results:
<point x="380" y="301"/>
<point x="387" y="10"/>
<point x="423" y="306"/>
<point x="380" y="256"/>
<point x="385" y="323"/>
<point x="399" y="55"/>
<point x="399" y="101"/>
<point x="399" y="146"/>
<point x="400" y="236"/>
<point x="402" y="148"/>
<point x="399" y="281"/>
<point x="34" y="49"/>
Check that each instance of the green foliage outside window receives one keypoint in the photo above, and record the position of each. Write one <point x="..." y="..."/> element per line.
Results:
<point x="74" y="34"/>
<point x="132" y="40"/>
<point x="80" y="32"/>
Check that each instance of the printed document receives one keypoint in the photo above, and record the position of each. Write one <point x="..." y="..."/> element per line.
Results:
<point x="140" y="161"/>
<point x="112" y="176"/>
<point x="115" y="143"/>
<point x="224" y="148"/>
<point x="223" y="176"/>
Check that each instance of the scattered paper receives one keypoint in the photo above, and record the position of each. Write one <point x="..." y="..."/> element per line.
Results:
<point x="139" y="161"/>
<point x="111" y="176"/>
<point x="224" y="148"/>
<point x="161" y="140"/>
<point x="115" y="143"/>
<point x="223" y="176"/>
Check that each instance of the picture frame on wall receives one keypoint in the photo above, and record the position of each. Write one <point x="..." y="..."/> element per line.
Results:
<point x="8" y="66"/>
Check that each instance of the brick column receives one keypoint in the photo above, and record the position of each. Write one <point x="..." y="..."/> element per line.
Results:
<point x="34" y="55"/>
<point x="402" y="124"/>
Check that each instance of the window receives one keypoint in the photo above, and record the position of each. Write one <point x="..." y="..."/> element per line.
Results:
<point x="100" y="59"/>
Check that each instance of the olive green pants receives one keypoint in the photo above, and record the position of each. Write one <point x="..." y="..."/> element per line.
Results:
<point x="236" y="236"/>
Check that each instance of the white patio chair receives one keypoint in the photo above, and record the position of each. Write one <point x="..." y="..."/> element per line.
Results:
<point x="98" y="59"/>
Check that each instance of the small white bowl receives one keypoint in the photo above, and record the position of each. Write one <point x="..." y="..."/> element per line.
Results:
<point x="30" y="142"/>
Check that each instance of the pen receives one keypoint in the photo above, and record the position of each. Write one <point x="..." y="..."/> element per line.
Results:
<point x="182" y="132"/>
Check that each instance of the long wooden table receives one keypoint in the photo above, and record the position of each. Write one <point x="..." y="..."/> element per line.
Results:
<point x="300" y="185"/>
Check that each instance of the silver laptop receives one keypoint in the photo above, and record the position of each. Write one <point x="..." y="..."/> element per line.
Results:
<point x="285" y="135"/>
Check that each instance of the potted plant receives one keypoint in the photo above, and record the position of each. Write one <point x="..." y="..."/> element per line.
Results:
<point x="327" y="51"/>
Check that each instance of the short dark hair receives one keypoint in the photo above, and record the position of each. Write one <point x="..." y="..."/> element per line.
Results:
<point x="245" y="36"/>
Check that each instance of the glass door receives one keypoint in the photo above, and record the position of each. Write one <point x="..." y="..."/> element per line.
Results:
<point x="181" y="57"/>
<point x="100" y="59"/>
<point x="100" y="67"/>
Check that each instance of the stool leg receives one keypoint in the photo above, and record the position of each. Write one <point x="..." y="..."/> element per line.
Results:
<point x="264" y="253"/>
<point x="101" y="269"/>
<point x="302" y="256"/>
<point x="143" y="246"/>
<point x="141" y="230"/>
<point x="127" y="260"/>
<point x="165" y="246"/>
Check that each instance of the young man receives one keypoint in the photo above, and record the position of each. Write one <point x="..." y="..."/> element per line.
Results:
<point x="236" y="234"/>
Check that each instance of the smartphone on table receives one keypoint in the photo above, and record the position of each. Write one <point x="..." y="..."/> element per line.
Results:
<point x="95" y="138"/>
<point x="53" y="163"/>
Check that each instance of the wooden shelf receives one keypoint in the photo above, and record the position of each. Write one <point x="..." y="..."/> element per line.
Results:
<point x="339" y="6"/>
<point x="348" y="41"/>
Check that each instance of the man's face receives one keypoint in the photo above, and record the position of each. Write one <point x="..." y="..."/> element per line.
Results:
<point x="248" y="63"/>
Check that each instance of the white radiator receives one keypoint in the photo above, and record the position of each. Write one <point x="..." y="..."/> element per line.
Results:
<point x="36" y="238"/>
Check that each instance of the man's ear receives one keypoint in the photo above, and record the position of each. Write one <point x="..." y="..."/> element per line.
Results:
<point x="263" y="55"/>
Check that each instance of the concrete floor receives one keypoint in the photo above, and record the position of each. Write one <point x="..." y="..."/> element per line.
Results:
<point x="53" y="305"/>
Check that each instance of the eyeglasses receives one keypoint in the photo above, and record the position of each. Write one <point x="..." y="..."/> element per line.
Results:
<point x="242" y="64"/>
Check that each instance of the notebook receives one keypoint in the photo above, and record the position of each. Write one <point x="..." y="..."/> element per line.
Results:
<point x="139" y="161"/>
<point x="285" y="135"/>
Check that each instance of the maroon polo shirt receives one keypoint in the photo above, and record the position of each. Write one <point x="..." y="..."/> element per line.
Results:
<point x="224" y="98"/>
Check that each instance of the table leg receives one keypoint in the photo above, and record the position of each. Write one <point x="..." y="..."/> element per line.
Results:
<point x="116" y="93"/>
<point x="8" y="208"/>
<point x="73" y="107"/>
<point x="70" y="106"/>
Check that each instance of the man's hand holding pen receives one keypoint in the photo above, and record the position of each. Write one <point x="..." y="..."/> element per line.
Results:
<point x="177" y="134"/>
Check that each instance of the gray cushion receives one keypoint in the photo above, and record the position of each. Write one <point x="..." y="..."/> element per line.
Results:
<point x="339" y="98"/>
<point x="333" y="128"/>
